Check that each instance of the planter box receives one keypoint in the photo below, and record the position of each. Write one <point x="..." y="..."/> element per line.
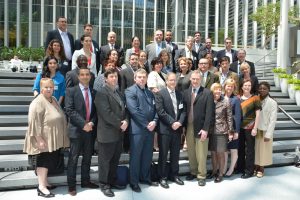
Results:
<point x="276" y="80"/>
<point x="284" y="85"/>
<point x="291" y="91"/>
<point x="297" y="97"/>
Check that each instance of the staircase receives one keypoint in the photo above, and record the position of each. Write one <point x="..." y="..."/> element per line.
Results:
<point x="16" y="95"/>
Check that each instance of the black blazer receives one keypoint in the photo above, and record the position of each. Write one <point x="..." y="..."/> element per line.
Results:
<point x="222" y="53"/>
<point x="233" y="67"/>
<point x="78" y="46"/>
<point x="165" y="111"/>
<point x="106" y="48"/>
<point x="75" y="110"/>
<point x="214" y="53"/>
<point x="204" y="108"/>
<point x="110" y="111"/>
<point x="182" y="53"/>
<point x="127" y="78"/>
<point x="72" y="78"/>
<point x="54" y="34"/>
<point x="175" y="48"/>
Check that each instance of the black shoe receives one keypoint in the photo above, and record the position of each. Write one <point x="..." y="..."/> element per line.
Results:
<point x="89" y="185"/>
<point x="218" y="179"/>
<point x="72" y="191"/>
<point x="164" y="183"/>
<point x="178" y="181"/>
<point x="246" y="175"/>
<point x="211" y="175"/>
<point x="107" y="191"/>
<point x="190" y="177"/>
<point x="201" y="182"/>
<point x="40" y="193"/>
<point x="51" y="187"/>
<point x="135" y="188"/>
<point x="118" y="187"/>
<point x="150" y="183"/>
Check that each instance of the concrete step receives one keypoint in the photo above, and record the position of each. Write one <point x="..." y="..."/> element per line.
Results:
<point x="275" y="89"/>
<point x="13" y="132"/>
<point x="13" y="109"/>
<point x="27" y="91"/>
<point x="15" y="100"/>
<point x="271" y="82"/>
<point x="13" y="120"/>
<point x="16" y="82"/>
<point x="282" y="116"/>
<point x="267" y="78"/>
<point x="291" y="108"/>
<point x="286" y="135"/>
<point x="285" y="145"/>
<point x="17" y="75"/>
<point x="14" y="146"/>
<point x="284" y="101"/>
<point x="279" y="95"/>
<point x="286" y="125"/>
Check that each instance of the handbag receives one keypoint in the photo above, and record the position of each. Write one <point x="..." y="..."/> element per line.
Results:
<point x="122" y="175"/>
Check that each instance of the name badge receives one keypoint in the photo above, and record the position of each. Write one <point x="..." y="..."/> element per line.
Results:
<point x="180" y="106"/>
<point x="55" y="87"/>
<point x="66" y="63"/>
<point x="153" y="102"/>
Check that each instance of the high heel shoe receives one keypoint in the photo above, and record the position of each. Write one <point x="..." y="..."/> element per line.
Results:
<point x="51" y="187"/>
<point x="40" y="193"/>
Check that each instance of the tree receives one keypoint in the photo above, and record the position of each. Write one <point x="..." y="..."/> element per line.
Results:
<point x="268" y="18"/>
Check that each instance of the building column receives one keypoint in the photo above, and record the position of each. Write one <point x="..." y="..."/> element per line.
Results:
<point x="273" y="36"/>
<point x="111" y="14"/>
<point x="236" y="23"/>
<point x="245" y="32"/>
<point x="144" y="24"/>
<point x="254" y="25"/>
<point x="18" y="24"/>
<point x="122" y="24"/>
<point x="89" y="12"/>
<point x="133" y="18"/>
<point x="186" y="27"/>
<point x="166" y="16"/>
<point x="100" y="22"/>
<point x="77" y="20"/>
<point x="66" y="9"/>
<point x="216" y="23"/>
<point x="284" y="59"/>
<point x="42" y="22"/>
<point x="54" y="15"/>
<point x="226" y="18"/>
<point x="197" y="16"/>
<point x="206" y="17"/>
<point x="155" y="14"/>
<point x="263" y="38"/>
<point x="176" y="21"/>
<point x="30" y="23"/>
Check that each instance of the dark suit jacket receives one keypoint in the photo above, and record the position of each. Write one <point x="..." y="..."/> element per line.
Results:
<point x="141" y="109"/>
<point x="211" y="79"/>
<point x="75" y="109"/>
<point x="214" y="53"/>
<point x="200" y="48"/>
<point x="110" y="111"/>
<point x="72" y="78"/>
<point x="165" y="111"/>
<point x="54" y="34"/>
<point x="204" y="108"/>
<point x="127" y="78"/>
<point x="78" y="46"/>
<point x="233" y="67"/>
<point x="173" y="52"/>
<point x="106" y="48"/>
<point x="182" y="53"/>
<point x="222" y="53"/>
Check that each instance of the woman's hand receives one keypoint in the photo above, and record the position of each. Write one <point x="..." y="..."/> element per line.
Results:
<point x="41" y="144"/>
<point x="266" y="139"/>
<point x="254" y="132"/>
<point x="236" y="136"/>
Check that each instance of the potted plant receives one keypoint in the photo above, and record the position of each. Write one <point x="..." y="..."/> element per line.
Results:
<point x="291" y="87"/>
<point x="276" y="72"/>
<point x="297" y="94"/>
<point x="283" y="82"/>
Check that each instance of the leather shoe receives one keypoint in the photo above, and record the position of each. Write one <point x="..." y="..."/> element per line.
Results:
<point x="246" y="175"/>
<point x="135" y="188"/>
<point x="89" y="185"/>
<point x="164" y="183"/>
<point x="51" y="187"/>
<point x="107" y="191"/>
<point x="118" y="187"/>
<point x="72" y="191"/>
<point x="190" y="177"/>
<point x="150" y="183"/>
<point x="201" y="182"/>
<point x="210" y="175"/>
<point x="178" y="181"/>
<point x="218" y="179"/>
<point x="40" y="193"/>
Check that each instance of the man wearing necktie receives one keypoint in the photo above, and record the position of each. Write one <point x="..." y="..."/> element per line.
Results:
<point x="112" y="123"/>
<point x="200" y="112"/>
<point x="235" y="66"/>
<point x="171" y="118"/>
<point x="140" y="103"/>
<point x="80" y="108"/>
<point x="208" y="78"/>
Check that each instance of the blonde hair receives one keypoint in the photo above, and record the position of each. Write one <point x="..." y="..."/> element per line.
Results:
<point x="230" y="81"/>
<point x="245" y="65"/>
<point x="215" y="86"/>
<point x="44" y="81"/>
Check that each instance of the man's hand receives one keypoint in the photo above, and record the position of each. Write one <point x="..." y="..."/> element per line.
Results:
<point x="203" y="134"/>
<point x="88" y="127"/>
<point x="176" y="125"/>
<point x="151" y="126"/>
<point x="124" y="125"/>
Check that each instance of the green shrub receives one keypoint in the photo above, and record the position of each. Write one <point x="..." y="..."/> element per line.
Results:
<point x="279" y="70"/>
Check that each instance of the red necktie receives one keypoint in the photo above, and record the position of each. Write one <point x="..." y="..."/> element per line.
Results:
<point x="91" y="49"/>
<point x="87" y="104"/>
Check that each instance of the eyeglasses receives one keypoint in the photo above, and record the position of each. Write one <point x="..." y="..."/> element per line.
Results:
<point x="203" y="63"/>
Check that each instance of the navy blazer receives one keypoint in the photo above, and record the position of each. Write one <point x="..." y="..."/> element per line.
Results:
<point x="54" y="34"/>
<point x="222" y="53"/>
<point x="166" y="113"/>
<point x="75" y="110"/>
<point x="106" y="48"/>
<point x="233" y="67"/>
<point x="141" y="109"/>
<point x="182" y="53"/>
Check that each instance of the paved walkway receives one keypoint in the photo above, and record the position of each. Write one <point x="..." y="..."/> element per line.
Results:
<point x="282" y="183"/>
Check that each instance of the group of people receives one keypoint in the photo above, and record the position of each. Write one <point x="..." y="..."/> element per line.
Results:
<point x="159" y="98"/>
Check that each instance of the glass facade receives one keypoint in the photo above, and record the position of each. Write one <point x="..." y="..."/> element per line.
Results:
<point x="127" y="18"/>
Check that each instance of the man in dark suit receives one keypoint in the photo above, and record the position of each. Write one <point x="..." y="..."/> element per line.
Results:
<point x="112" y="122"/>
<point x="188" y="52"/>
<point x="72" y="76"/>
<point x="127" y="74"/>
<point x="235" y="66"/>
<point x="228" y="51"/>
<point x="197" y="45"/>
<point x="111" y="38"/>
<point x="141" y="106"/>
<point x="200" y="112"/>
<point x="81" y="111"/>
<point x="172" y="45"/>
<point x="88" y="30"/>
<point x="208" y="78"/>
<point x="207" y="49"/>
<point x="171" y="112"/>
<point x="65" y="37"/>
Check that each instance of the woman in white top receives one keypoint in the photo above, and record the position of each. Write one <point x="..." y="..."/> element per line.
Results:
<point x="86" y="42"/>
<point x="156" y="78"/>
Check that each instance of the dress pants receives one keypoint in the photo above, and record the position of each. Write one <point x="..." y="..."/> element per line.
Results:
<point x="168" y="142"/>
<point x="108" y="160"/>
<point x="141" y="151"/>
<point x="83" y="145"/>
<point x="246" y="153"/>
<point x="197" y="153"/>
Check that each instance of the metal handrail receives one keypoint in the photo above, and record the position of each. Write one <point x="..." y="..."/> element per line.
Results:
<point x="263" y="58"/>
<point x="288" y="115"/>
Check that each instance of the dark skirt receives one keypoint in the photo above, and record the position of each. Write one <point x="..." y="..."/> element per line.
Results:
<point x="47" y="159"/>
<point x="218" y="142"/>
<point x="233" y="144"/>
